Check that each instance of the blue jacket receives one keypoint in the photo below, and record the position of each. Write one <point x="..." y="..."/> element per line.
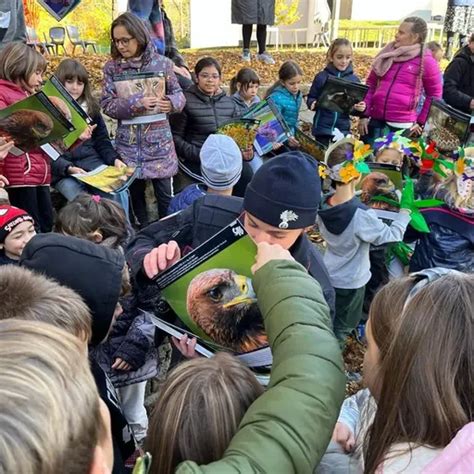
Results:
<point x="325" y="121"/>
<point x="288" y="104"/>
<point x="185" y="198"/>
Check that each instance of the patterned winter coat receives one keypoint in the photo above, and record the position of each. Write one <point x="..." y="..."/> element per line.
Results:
<point x="147" y="145"/>
<point x="288" y="104"/>
<point x="395" y="96"/>
<point x="32" y="168"/>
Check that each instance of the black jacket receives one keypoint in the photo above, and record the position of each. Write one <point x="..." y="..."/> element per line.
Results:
<point x="458" y="87"/>
<point x="95" y="273"/>
<point x="200" y="221"/>
<point x="96" y="151"/>
<point x="201" y="116"/>
<point x="450" y="243"/>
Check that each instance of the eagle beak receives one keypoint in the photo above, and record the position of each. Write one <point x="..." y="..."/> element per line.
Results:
<point x="247" y="295"/>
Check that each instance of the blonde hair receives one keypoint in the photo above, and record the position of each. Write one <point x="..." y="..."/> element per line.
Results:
<point x="448" y="192"/>
<point x="49" y="407"/>
<point x="337" y="43"/>
<point x="18" y="62"/>
<point x="33" y="297"/>
<point x="199" y="410"/>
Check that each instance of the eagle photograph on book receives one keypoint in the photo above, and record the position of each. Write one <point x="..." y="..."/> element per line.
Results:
<point x="340" y="95"/>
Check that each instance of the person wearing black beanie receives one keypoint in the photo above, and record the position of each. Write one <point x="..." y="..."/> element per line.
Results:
<point x="280" y="202"/>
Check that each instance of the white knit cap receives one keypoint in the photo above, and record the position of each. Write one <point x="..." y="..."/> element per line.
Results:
<point x="221" y="162"/>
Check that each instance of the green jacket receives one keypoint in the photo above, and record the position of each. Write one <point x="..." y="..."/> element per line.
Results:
<point x="287" y="429"/>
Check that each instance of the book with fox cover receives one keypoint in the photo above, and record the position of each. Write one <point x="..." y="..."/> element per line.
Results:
<point x="109" y="179"/>
<point x="150" y="84"/>
<point x="35" y="121"/>
<point x="210" y="290"/>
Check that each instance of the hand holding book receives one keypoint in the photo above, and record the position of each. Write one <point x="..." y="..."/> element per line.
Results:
<point x="161" y="258"/>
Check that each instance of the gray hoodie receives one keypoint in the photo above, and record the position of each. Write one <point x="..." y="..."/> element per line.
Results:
<point x="349" y="229"/>
<point x="12" y="22"/>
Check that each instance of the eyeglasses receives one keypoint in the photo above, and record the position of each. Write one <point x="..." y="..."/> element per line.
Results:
<point x="209" y="76"/>
<point x="123" y="41"/>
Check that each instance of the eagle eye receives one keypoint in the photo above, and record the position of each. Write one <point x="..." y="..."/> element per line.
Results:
<point x="215" y="294"/>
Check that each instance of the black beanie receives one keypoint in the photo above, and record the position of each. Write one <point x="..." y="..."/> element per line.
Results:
<point x="285" y="192"/>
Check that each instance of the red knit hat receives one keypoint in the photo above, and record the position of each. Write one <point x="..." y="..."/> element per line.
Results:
<point x="10" y="217"/>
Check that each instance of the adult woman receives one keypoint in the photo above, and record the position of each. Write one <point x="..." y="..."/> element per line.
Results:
<point x="399" y="74"/>
<point x="207" y="107"/>
<point x="254" y="12"/>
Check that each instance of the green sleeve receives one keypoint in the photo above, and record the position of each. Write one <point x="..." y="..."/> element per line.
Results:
<point x="288" y="428"/>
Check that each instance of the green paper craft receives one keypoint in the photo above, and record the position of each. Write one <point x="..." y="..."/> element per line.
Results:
<point x="399" y="250"/>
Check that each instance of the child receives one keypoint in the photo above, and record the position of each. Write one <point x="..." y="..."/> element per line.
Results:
<point x="146" y="142"/>
<point x="221" y="167"/>
<point x="410" y="326"/>
<point x="244" y="88"/>
<point x="287" y="96"/>
<point x="450" y="243"/>
<point x="96" y="149"/>
<point x="349" y="228"/>
<point x="16" y="230"/>
<point x="235" y="432"/>
<point x="29" y="174"/>
<point x="338" y="64"/>
<point x="128" y="355"/>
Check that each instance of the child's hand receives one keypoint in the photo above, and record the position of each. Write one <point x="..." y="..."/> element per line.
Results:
<point x="293" y="142"/>
<point x="119" y="163"/>
<point x="186" y="346"/>
<point x="247" y="155"/>
<point x="416" y="130"/>
<point x="3" y="181"/>
<point x="313" y="105"/>
<point x="120" y="364"/>
<point x="149" y="102"/>
<point x="363" y="126"/>
<point x="75" y="170"/>
<point x="276" y="146"/>
<point x="267" y="252"/>
<point x="343" y="436"/>
<point x="87" y="133"/>
<point x="165" y="105"/>
<point x="360" y="106"/>
<point x="182" y="71"/>
<point x="5" y="147"/>
<point x="160" y="258"/>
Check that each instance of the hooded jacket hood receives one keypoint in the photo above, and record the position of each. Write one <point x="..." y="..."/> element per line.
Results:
<point x="337" y="218"/>
<point x="93" y="271"/>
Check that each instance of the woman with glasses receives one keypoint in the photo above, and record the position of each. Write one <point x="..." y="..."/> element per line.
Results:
<point x="207" y="108"/>
<point x="140" y="90"/>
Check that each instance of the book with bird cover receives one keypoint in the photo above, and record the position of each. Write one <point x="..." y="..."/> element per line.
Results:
<point x="242" y="130"/>
<point x="272" y="126"/>
<point x="109" y="179"/>
<point x="210" y="289"/>
<point x="35" y="121"/>
<point x="340" y="95"/>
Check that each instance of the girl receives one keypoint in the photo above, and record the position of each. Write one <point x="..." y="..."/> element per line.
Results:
<point x="207" y="107"/>
<point x="338" y="64"/>
<point x="97" y="148"/>
<point x="144" y="140"/>
<point x="419" y="394"/>
<point x="286" y="94"/>
<point x="128" y="355"/>
<point x="28" y="175"/>
<point x="244" y="88"/>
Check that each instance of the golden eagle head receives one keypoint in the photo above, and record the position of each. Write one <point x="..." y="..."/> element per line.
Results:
<point x="378" y="184"/>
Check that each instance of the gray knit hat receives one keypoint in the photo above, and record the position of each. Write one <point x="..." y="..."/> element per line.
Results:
<point x="221" y="162"/>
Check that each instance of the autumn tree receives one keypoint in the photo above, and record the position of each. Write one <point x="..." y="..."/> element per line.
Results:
<point x="286" y="12"/>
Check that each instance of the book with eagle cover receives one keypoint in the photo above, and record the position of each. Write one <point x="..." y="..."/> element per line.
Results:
<point x="340" y="95"/>
<point x="210" y="289"/>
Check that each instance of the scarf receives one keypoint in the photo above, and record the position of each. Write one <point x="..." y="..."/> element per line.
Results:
<point x="389" y="55"/>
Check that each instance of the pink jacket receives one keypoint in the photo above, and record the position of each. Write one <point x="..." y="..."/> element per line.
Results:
<point x="458" y="456"/>
<point x="395" y="96"/>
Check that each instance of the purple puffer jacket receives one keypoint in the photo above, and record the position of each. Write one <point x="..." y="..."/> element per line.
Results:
<point x="148" y="145"/>
<point x="395" y="96"/>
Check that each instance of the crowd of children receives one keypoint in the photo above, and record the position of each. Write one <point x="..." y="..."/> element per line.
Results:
<point x="78" y="342"/>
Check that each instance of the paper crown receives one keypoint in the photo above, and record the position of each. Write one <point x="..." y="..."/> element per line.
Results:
<point x="394" y="141"/>
<point x="352" y="167"/>
<point x="464" y="170"/>
<point x="426" y="155"/>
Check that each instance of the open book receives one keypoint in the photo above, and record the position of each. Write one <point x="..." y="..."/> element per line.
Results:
<point x="446" y="126"/>
<point x="340" y="95"/>
<point x="242" y="130"/>
<point x="34" y="121"/>
<point x="150" y="84"/>
<point x="210" y="290"/>
<point x="272" y="128"/>
<point x="109" y="179"/>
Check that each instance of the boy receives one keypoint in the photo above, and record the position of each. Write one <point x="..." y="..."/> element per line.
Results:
<point x="349" y="227"/>
<point x="221" y="167"/>
<point x="16" y="230"/>
<point x="52" y="418"/>
<point x="99" y="275"/>
<point x="280" y="202"/>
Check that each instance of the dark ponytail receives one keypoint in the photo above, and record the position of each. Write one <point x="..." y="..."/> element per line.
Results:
<point x="287" y="71"/>
<point x="245" y="77"/>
